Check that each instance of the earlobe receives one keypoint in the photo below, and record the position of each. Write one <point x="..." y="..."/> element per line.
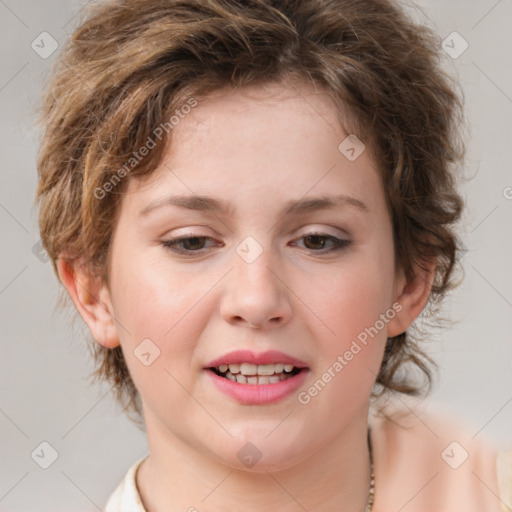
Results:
<point x="92" y="300"/>
<point x="412" y="297"/>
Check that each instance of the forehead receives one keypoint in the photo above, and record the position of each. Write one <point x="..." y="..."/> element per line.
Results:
<point x="272" y="139"/>
<point x="238" y="114"/>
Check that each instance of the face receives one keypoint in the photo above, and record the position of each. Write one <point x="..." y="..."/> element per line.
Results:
<point x="265" y="271"/>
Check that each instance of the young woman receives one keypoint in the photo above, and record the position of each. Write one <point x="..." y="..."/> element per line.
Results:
<point x="249" y="204"/>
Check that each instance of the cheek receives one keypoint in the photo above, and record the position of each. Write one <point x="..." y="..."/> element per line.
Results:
<point x="350" y="303"/>
<point x="148" y="298"/>
<point x="154" y="313"/>
<point x="167" y="307"/>
<point x="148" y="304"/>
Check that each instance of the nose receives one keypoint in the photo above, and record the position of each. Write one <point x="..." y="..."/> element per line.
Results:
<point x="255" y="294"/>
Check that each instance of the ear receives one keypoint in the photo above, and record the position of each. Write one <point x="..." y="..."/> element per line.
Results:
<point x="412" y="296"/>
<point x="92" y="300"/>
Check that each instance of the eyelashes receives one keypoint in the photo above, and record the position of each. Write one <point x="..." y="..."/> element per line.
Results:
<point x="174" y="243"/>
<point x="188" y="245"/>
<point x="337" y="243"/>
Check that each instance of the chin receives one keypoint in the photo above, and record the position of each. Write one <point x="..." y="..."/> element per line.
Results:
<point x="260" y="453"/>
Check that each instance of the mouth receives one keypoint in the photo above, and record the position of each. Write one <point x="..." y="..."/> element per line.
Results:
<point x="256" y="374"/>
<point x="257" y="379"/>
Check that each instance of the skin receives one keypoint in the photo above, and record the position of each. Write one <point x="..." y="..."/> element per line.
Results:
<point x="257" y="149"/>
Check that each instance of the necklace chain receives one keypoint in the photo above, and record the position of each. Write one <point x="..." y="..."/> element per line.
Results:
<point x="371" y="492"/>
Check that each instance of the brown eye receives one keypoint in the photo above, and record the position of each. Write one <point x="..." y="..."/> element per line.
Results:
<point x="315" y="241"/>
<point x="187" y="244"/>
<point x="193" y="243"/>
<point x="320" y="242"/>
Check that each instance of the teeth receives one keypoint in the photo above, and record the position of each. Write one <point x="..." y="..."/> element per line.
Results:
<point x="256" y="374"/>
<point x="266" y="369"/>
<point x="234" y="368"/>
<point x="256" y="379"/>
<point x="249" y="370"/>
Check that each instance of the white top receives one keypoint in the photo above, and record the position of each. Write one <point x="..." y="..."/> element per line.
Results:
<point x="126" y="497"/>
<point x="404" y="459"/>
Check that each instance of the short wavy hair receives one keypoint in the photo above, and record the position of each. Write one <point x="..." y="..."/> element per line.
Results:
<point x="131" y="64"/>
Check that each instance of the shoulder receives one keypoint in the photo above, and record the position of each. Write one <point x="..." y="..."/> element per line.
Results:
<point x="125" y="497"/>
<point x="426" y="459"/>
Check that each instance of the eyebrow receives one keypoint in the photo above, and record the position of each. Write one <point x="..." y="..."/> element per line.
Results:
<point x="216" y="205"/>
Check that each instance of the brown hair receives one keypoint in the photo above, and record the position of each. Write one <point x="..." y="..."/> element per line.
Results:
<point x="131" y="64"/>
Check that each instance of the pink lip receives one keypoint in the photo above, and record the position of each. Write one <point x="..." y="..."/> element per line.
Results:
<point x="253" y="394"/>
<point x="246" y="356"/>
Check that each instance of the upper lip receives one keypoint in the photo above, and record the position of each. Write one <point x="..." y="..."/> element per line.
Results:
<point x="246" y="356"/>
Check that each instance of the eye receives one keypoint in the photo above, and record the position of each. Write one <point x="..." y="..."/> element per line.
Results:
<point x="317" y="242"/>
<point x="186" y="244"/>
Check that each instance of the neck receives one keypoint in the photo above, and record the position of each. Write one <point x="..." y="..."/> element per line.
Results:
<point x="176" y="477"/>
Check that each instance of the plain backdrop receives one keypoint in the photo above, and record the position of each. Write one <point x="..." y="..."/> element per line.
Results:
<point x="44" y="367"/>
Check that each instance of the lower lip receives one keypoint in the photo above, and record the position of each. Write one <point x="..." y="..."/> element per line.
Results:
<point x="258" y="394"/>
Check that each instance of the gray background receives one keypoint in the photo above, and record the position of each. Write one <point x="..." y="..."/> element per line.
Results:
<point x="44" y="365"/>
